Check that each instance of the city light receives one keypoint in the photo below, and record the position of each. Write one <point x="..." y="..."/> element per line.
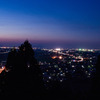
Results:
<point x="58" y="49"/>
<point x="54" y="57"/>
<point x="80" y="49"/>
<point x="56" y="63"/>
<point x="60" y="57"/>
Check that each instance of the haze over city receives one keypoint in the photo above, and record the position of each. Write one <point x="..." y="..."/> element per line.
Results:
<point x="50" y="23"/>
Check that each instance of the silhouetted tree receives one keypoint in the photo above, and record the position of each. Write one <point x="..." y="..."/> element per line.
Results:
<point x="30" y="64"/>
<point x="24" y="77"/>
<point x="12" y="59"/>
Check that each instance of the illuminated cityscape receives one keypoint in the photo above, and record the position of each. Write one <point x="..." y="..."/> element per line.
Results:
<point x="61" y="64"/>
<point x="50" y="49"/>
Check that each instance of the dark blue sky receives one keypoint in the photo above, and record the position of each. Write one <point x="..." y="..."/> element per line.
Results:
<point x="49" y="23"/>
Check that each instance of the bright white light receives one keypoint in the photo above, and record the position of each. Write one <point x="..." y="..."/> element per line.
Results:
<point x="49" y="77"/>
<point x="59" y="68"/>
<point x="82" y="66"/>
<point x="57" y="49"/>
<point x="89" y="74"/>
<point x="60" y="57"/>
<point x="28" y="66"/>
<point x="91" y="50"/>
<point x="73" y="66"/>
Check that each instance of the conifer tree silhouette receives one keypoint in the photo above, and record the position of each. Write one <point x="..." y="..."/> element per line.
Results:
<point x="24" y="76"/>
<point x="11" y="60"/>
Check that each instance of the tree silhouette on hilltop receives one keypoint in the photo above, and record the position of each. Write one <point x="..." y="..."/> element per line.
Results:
<point x="24" y="77"/>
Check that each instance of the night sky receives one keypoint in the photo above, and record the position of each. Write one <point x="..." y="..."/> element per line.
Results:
<point x="50" y="23"/>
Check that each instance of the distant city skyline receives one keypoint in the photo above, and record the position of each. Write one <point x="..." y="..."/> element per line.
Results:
<point x="50" y="23"/>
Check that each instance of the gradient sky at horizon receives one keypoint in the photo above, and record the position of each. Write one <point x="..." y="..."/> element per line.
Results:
<point x="48" y="23"/>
